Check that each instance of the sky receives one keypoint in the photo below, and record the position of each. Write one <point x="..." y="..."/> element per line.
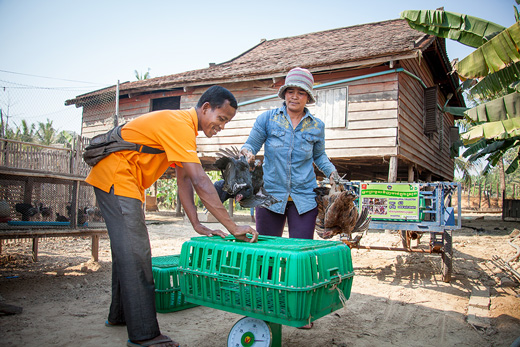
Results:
<point x="54" y="50"/>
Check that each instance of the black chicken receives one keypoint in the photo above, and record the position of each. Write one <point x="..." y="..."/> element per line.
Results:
<point x="60" y="218"/>
<point x="27" y="210"/>
<point x="337" y="212"/>
<point x="242" y="181"/>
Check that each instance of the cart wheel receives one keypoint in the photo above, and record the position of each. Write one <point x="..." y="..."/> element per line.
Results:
<point x="447" y="257"/>
<point x="405" y="239"/>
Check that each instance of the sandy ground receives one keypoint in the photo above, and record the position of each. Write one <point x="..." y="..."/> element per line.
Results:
<point x="398" y="298"/>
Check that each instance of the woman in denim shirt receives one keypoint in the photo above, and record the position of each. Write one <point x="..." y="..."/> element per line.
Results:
<point x="293" y="139"/>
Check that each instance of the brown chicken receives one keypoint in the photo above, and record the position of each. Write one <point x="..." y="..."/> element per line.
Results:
<point x="337" y="212"/>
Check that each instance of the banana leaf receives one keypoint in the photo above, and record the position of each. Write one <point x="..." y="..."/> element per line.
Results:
<point x="492" y="56"/>
<point x="503" y="108"/>
<point x="515" y="86"/>
<point x="475" y="148"/>
<point x="514" y="164"/>
<point x="491" y="151"/>
<point x="496" y="84"/>
<point x="499" y="130"/>
<point x="456" y="111"/>
<point x="468" y="30"/>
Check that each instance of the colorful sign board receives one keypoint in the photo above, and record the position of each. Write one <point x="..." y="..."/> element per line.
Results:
<point x="391" y="201"/>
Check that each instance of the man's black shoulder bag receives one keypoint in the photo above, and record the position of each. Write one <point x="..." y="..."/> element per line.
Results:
<point x="102" y="145"/>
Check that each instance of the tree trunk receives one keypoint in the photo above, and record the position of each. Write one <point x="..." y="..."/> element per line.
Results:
<point x="502" y="179"/>
<point x="479" y="196"/>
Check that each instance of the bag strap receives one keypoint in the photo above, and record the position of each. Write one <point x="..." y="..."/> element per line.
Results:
<point x="138" y="147"/>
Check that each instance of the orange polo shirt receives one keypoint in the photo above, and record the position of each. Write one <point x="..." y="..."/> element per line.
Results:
<point x="131" y="172"/>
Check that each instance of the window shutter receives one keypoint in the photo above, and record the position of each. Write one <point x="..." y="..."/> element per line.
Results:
<point x="331" y="107"/>
<point x="430" y="110"/>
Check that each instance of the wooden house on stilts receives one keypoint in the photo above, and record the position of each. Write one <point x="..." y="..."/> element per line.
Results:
<point x="380" y="89"/>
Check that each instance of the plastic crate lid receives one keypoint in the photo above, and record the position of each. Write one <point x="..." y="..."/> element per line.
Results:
<point x="269" y="242"/>
<point x="166" y="261"/>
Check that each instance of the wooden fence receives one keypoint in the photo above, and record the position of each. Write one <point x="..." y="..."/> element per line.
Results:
<point x="52" y="159"/>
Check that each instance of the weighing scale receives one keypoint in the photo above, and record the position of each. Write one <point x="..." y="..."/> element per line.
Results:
<point x="249" y="332"/>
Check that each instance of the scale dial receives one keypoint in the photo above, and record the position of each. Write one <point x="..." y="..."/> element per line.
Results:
<point x="249" y="332"/>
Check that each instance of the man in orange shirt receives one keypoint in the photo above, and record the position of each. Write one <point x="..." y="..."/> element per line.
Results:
<point x="120" y="181"/>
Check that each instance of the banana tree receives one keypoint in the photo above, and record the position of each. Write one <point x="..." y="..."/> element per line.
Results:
<point x="491" y="75"/>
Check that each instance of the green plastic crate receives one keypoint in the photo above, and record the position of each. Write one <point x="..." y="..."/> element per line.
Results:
<point x="168" y="296"/>
<point x="280" y="280"/>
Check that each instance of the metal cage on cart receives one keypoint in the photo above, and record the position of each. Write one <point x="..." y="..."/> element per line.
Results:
<point x="436" y="215"/>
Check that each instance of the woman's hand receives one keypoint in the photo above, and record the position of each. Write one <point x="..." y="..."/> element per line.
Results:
<point x="248" y="154"/>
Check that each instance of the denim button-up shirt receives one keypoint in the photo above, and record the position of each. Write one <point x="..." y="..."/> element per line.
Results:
<point x="289" y="154"/>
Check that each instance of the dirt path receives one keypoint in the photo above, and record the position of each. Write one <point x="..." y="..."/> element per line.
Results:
<point x="397" y="298"/>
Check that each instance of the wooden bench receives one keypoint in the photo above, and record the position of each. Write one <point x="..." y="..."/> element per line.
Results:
<point x="36" y="234"/>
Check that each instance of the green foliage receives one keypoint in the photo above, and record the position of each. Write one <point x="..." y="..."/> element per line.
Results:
<point x="495" y="121"/>
<point x="46" y="134"/>
<point x="492" y="56"/>
<point x="66" y="138"/>
<point x="491" y="180"/>
<point x="167" y="193"/>
<point x="25" y="132"/>
<point x="468" y="30"/>
<point x="497" y="84"/>
<point x="142" y="76"/>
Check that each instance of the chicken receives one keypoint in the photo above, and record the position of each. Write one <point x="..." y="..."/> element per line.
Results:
<point x="241" y="180"/>
<point x="44" y="210"/>
<point x="236" y="174"/>
<point x="27" y="210"/>
<point x="337" y="212"/>
<point x="93" y="213"/>
<point x="60" y="218"/>
<point x="81" y="216"/>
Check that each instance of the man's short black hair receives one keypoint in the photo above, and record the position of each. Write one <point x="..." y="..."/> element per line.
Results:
<point x="217" y="96"/>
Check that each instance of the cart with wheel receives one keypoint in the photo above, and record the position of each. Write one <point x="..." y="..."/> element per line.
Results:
<point x="276" y="281"/>
<point x="413" y="209"/>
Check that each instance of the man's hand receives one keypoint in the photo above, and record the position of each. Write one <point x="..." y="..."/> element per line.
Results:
<point x="203" y="230"/>
<point x="248" y="154"/>
<point x="240" y="233"/>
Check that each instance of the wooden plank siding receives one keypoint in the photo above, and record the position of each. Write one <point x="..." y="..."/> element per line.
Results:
<point x="383" y="118"/>
<point x="371" y="120"/>
<point x="428" y="153"/>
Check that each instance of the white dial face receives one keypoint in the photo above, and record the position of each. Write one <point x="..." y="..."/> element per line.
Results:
<point x="250" y="332"/>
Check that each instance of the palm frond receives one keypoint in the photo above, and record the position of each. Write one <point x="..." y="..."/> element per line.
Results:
<point x="468" y="30"/>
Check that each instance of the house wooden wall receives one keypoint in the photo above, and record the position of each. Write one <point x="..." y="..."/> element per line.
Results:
<point x="370" y="128"/>
<point x="382" y="118"/>
<point x="430" y="152"/>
